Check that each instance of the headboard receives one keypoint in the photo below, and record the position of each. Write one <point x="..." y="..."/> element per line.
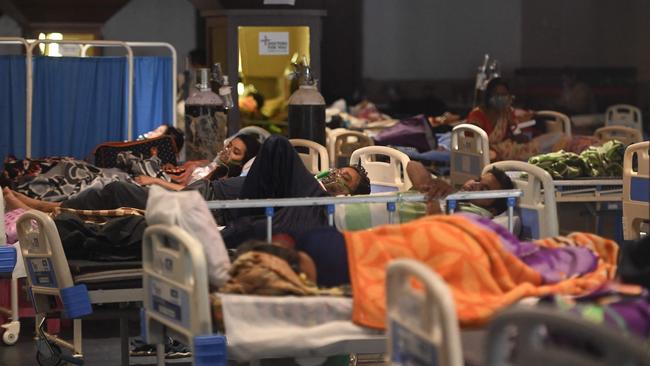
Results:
<point x="384" y="176"/>
<point x="316" y="159"/>
<point x="470" y="152"/>
<point x="636" y="190"/>
<point x="175" y="285"/>
<point x="537" y="207"/>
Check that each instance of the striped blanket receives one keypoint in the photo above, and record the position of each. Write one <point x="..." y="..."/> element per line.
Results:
<point x="485" y="266"/>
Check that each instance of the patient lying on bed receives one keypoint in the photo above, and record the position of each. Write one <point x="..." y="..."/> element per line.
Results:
<point x="228" y="163"/>
<point x="278" y="172"/>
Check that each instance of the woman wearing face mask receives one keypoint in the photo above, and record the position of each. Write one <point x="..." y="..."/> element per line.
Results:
<point x="496" y="117"/>
<point x="228" y="163"/>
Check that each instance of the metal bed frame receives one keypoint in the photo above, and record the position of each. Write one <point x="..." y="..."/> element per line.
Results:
<point x="84" y="46"/>
<point x="390" y="199"/>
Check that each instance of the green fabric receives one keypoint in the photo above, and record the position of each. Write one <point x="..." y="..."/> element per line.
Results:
<point x="409" y="211"/>
<point x="358" y="216"/>
<point x="596" y="161"/>
<point x="469" y="207"/>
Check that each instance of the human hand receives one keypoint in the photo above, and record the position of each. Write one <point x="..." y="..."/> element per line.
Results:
<point x="437" y="189"/>
<point x="145" y="180"/>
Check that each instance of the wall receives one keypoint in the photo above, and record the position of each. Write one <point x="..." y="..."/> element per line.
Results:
<point x="9" y="28"/>
<point x="438" y="39"/>
<point x="171" y="21"/>
<point x="587" y="33"/>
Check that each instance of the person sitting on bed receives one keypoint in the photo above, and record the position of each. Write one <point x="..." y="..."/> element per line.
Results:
<point x="228" y="163"/>
<point x="497" y="118"/>
<point x="277" y="172"/>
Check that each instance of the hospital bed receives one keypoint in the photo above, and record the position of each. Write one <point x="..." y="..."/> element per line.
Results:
<point x="8" y="259"/>
<point x="176" y="303"/>
<point x="542" y="336"/>
<point x="316" y="158"/>
<point x="384" y="176"/>
<point x="626" y="135"/>
<point x="624" y="115"/>
<point x="555" y="121"/>
<point x="52" y="286"/>
<point x="391" y="200"/>
<point x="259" y="327"/>
<point x="258" y="132"/>
<point x="470" y="152"/>
<point x="422" y="327"/>
<point x="341" y="143"/>
<point x="636" y="191"/>
<point x="537" y="206"/>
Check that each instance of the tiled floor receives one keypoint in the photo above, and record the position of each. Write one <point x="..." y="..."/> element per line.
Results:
<point x="101" y="347"/>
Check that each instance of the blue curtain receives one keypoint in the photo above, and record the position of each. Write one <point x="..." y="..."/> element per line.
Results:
<point x="152" y="88"/>
<point x="12" y="106"/>
<point x="78" y="103"/>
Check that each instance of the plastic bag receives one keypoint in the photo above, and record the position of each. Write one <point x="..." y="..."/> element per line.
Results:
<point x="188" y="210"/>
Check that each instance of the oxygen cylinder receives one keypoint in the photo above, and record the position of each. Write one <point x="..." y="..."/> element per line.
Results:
<point x="206" y="124"/>
<point x="307" y="110"/>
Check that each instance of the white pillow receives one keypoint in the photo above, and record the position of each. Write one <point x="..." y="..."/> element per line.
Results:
<point x="188" y="210"/>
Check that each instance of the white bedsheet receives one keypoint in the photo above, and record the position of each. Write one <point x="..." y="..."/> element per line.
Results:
<point x="260" y="327"/>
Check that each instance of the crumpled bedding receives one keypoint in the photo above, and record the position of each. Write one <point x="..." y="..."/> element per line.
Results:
<point x="485" y="266"/>
<point x="595" y="161"/>
<point x="59" y="179"/>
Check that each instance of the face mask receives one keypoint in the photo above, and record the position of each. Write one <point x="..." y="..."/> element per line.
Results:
<point x="334" y="182"/>
<point x="500" y="101"/>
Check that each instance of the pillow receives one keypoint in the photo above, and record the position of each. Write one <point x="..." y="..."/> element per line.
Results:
<point x="188" y="210"/>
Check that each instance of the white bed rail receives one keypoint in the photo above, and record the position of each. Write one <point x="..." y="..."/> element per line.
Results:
<point x="8" y="259"/>
<point x="556" y="118"/>
<point x="624" y="134"/>
<point x="30" y="83"/>
<point x="48" y="275"/>
<point x="391" y="175"/>
<point x="422" y="328"/>
<point x="176" y="302"/>
<point x="316" y="159"/>
<point x="391" y="199"/>
<point x="537" y="205"/>
<point x="470" y="152"/>
<point x="636" y="191"/>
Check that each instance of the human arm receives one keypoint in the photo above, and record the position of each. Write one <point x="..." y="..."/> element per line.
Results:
<point x="145" y="180"/>
<point x="434" y="188"/>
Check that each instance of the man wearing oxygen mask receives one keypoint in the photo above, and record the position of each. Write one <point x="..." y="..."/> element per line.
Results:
<point x="277" y="172"/>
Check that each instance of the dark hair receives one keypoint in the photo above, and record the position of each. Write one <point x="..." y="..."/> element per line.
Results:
<point x="252" y="146"/>
<point x="364" y="182"/>
<point x="489" y="90"/>
<point x="177" y="135"/>
<point x="289" y="255"/>
<point x="501" y="204"/>
<point x="197" y="57"/>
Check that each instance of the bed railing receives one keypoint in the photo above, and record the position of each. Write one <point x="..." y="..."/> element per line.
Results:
<point x="422" y="327"/>
<point x="390" y="199"/>
<point x="176" y="304"/>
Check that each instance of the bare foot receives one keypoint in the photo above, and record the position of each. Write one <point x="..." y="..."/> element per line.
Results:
<point x="34" y="203"/>
<point x="11" y="201"/>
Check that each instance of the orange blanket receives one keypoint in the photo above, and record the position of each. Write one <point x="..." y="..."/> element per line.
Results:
<point x="482" y="274"/>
